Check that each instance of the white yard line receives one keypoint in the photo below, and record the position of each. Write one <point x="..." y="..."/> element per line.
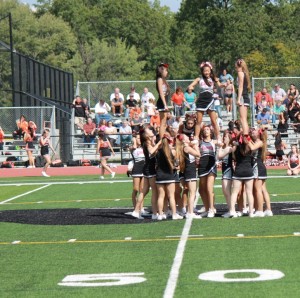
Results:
<point x="174" y="273"/>
<point x="24" y="194"/>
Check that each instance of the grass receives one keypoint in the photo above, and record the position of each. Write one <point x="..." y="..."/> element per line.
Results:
<point x="44" y="257"/>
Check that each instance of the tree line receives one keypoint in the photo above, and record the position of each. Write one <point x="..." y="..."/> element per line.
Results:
<point x="125" y="39"/>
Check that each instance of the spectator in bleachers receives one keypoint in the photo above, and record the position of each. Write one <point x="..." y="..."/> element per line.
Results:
<point x="102" y="125"/>
<point x="179" y="102"/>
<point x="217" y="103"/>
<point x="146" y="96"/>
<point x="278" y="109"/>
<point x="293" y="161"/>
<point x="296" y="124"/>
<point x="87" y="108"/>
<point x="190" y="98"/>
<point x="170" y="119"/>
<point x="29" y="147"/>
<point x="293" y="107"/>
<point x="264" y="119"/>
<point x="136" y="96"/>
<point x="283" y="123"/>
<point x="80" y="109"/>
<point x="136" y="122"/>
<point x="125" y="133"/>
<point x="32" y="130"/>
<point x="117" y="105"/>
<point x="223" y="79"/>
<point x="89" y="131"/>
<point x="278" y="93"/>
<point x="112" y="133"/>
<point x="117" y="91"/>
<point x="228" y="95"/>
<point x="129" y="104"/>
<point x="293" y="91"/>
<point x="22" y="126"/>
<point x="135" y="110"/>
<point x="263" y="95"/>
<point x="150" y="109"/>
<point x="155" y="121"/>
<point x="101" y="111"/>
<point x="1" y="139"/>
<point x="263" y="104"/>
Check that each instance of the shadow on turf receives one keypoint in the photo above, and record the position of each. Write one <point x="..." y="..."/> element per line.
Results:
<point x="105" y="216"/>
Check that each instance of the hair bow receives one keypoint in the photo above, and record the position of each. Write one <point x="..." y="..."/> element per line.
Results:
<point x="206" y="63"/>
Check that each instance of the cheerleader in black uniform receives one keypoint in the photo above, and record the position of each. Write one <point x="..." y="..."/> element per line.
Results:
<point x="186" y="152"/>
<point x="45" y="144"/>
<point x="243" y="173"/>
<point x="243" y="90"/>
<point x="166" y="177"/>
<point x="207" y="171"/>
<point x="150" y="149"/>
<point x="205" y="102"/>
<point x="293" y="161"/>
<point x="104" y="148"/>
<point x="138" y="165"/>
<point x="258" y="145"/>
<point x="163" y="90"/>
<point x="225" y="154"/>
<point x="29" y="148"/>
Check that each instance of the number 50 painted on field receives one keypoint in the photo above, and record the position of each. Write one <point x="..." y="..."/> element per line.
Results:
<point x="121" y="279"/>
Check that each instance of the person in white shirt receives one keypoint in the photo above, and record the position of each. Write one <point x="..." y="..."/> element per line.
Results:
<point x="125" y="132"/>
<point x="278" y="93"/>
<point x="145" y="98"/>
<point x="113" y="95"/>
<point x="136" y="96"/>
<point x="101" y="111"/>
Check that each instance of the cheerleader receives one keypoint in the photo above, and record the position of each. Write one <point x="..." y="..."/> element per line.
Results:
<point x="166" y="177"/>
<point x="258" y="145"/>
<point x="244" y="87"/>
<point x="138" y="165"/>
<point x="205" y="101"/>
<point x="207" y="171"/>
<point x="29" y="147"/>
<point x="293" y="161"/>
<point x="45" y="144"/>
<point x="188" y="127"/>
<point x="225" y="154"/>
<point x="104" y="148"/>
<point x="186" y="153"/>
<point x="243" y="174"/>
<point x="163" y="90"/>
<point x="150" y="149"/>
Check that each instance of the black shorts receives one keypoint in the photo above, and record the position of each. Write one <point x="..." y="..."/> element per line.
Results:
<point x="160" y="105"/>
<point x="44" y="150"/>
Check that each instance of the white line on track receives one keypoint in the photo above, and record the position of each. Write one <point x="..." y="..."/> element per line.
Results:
<point x="104" y="181"/>
<point x="174" y="273"/>
<point x="24" y="194"/>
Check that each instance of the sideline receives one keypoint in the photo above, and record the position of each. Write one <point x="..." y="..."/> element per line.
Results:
<point x="24" y="194"/>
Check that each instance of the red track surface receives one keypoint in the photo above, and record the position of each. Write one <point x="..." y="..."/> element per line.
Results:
<point x="66" y="171"/>
<point x="70" y="171"/>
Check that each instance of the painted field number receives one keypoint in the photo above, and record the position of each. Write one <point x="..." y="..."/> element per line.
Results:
<point x="102" y="280"/>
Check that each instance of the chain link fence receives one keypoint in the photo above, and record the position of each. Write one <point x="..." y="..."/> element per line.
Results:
<point x="95" y="90"/>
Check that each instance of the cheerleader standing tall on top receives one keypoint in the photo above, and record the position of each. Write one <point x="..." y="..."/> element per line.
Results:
<point x="205" y="101"/>
<point x="244" y="87"/>
<point x="163" y="90"/>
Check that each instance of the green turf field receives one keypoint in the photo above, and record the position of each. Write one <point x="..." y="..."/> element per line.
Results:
<point x="152" y="259"/>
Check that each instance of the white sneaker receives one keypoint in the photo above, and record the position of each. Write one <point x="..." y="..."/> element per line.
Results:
<point x="233" y="214"/>
<point x="44" y="174"/>
<point x="101" y="177"/>
<point x="226" y="215"/>
<point x="252" y="215"/>
<point x="143" y="211"/>
<point x="245" y="210"/>
<point x="239" y="214"/>
<point x="164" y="216"/>
<point x="268" y="213"/>
<point x="210" y="213"/>
<point x="177" y="216"/>
<point x="154" y="216"/>
<point x="193" y="216"/>
<point x="29" y="167"/>
<point x="159" y="217"/>
<point x="202" y="209"/>
<point x="204" y="214"/>
<point x="259" y="214"/>
<point x="113" y="174"/>
<point x="137" y="215"/>
<point x="183" y="210"/>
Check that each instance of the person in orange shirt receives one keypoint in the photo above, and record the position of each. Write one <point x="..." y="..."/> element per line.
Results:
<point x="155" y="121"/>
<point x="135" y="110"/>
<point x="22" y="127"/>
<point x="179" y="102"/>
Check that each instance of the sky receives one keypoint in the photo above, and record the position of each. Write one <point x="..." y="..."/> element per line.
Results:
<point x="173" y="4"/>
